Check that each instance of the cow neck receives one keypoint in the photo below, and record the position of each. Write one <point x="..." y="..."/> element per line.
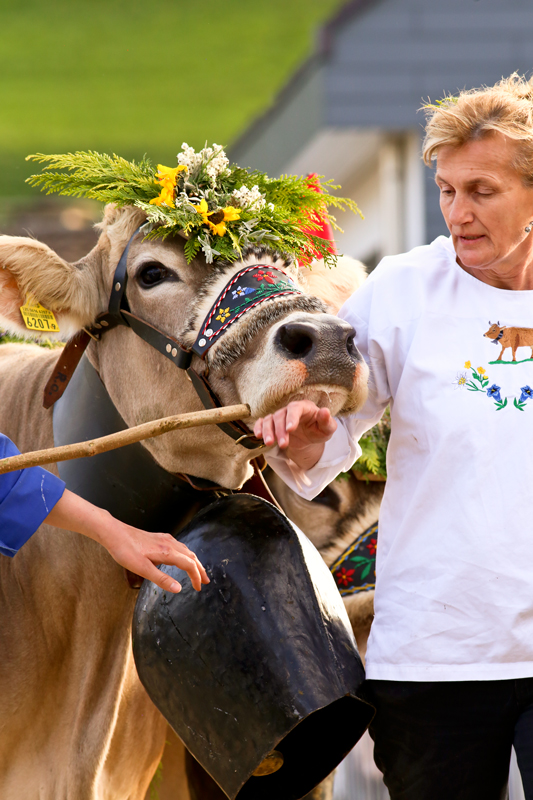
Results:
<point x="274" y="283"/>
<point x="128" y="482"/>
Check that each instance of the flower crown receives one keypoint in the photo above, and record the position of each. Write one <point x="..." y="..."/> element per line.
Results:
<point x="218" y="208"/>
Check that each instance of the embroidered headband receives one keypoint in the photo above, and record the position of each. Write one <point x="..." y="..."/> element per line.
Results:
<point x="247" y="289"/>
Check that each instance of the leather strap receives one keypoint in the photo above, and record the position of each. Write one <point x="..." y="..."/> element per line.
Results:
<point x="238" y="431"/>
<point x="118" y="313"/>
<point x="64" y="368"/>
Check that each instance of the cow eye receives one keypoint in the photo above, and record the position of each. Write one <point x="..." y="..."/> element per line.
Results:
<point x="153" y="273"/>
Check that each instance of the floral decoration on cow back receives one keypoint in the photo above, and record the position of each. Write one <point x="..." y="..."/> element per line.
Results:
<point x="221" y="209"/>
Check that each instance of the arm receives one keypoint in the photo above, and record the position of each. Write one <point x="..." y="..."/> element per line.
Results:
<point x="32" y="496"/>
<point x="132" y="548"/>
<point x="309" y="447"/>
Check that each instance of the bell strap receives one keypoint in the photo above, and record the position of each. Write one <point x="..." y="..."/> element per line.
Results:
<point x="355" y="569"/>
<point x="238" y="431"/>
<point x="64" y="368"/>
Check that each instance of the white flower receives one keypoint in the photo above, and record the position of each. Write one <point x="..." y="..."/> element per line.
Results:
<point x="249" y="198"/>
<point x="271" y="206"/>
<point x="215" y="160"/>
<point x="460" y="380"/>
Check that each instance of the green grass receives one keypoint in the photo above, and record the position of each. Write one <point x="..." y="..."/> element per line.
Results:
<point x="135" y="77"/>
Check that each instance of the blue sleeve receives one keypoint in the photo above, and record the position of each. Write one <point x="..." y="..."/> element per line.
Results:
<point x="26" y="498"/>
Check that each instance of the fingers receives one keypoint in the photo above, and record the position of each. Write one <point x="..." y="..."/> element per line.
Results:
<point x="177" y="554"/>
<point x="326" y="424"/>
<point x="161" y="579"/>
<point x="277" y="427"/>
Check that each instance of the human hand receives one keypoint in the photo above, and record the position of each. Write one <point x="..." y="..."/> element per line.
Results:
<point x="301" y="428"/>
<point x="136" y="550"/>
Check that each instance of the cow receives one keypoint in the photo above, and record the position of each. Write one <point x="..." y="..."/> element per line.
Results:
<point x="333" y="520"/>
<point x="75" y="721"/>
<point x="510" y="337"/>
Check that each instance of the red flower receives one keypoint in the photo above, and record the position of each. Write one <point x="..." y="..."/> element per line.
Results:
<point x="344" y="576"/>
<point x="372" y="544"/>
<point x="266" y="276"/>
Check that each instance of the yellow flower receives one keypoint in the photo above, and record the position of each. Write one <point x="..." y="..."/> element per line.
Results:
<point x="468" y="364"/>
<point x="217" y="219"/>
<point x="166" y="177"/>
<point x="481" y="371"/>
<point x="223" y="314"/>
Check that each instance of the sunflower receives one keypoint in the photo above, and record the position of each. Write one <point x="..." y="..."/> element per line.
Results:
<point x="167" y="177"/>
<point x="217" y="219"/>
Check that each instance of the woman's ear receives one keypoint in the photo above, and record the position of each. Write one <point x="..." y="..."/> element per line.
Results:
<point x="30" y="270"/>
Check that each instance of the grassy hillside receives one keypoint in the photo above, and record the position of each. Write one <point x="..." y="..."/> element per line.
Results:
<point x="134" y="77"/>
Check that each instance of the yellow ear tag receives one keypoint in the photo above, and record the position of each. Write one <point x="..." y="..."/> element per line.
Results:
<point x="37" y="318"/>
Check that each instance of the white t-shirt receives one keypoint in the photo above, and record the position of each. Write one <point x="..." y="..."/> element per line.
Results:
<point x="454" y="588"/>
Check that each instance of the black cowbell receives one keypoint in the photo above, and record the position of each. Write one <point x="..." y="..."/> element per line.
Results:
<point x="258" y="672"/>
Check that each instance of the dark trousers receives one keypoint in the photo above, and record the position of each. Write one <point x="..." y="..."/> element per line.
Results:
<point x="451" y="740"/>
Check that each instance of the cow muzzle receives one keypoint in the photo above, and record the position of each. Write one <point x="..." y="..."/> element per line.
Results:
<point x="324" y="344"/>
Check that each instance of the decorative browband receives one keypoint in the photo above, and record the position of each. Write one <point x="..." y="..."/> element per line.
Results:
<point x="355" y="570"/>
<point x="247" y="289"/>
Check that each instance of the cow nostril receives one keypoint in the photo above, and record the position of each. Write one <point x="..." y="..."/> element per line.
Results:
<point x="351" y="348"/>
<point x="295" y="341"/>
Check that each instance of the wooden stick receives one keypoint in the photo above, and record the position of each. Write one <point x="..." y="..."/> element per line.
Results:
<point x="147" y="430"/>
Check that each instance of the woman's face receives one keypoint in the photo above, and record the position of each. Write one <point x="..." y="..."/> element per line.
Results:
<point x="486" y="205"/>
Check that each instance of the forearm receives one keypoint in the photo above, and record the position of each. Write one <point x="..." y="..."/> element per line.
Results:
<point x="75" y="514"/>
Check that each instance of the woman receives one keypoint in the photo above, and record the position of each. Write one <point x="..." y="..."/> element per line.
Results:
<point x="447" y="330"/>
<point x="32" y="496"/>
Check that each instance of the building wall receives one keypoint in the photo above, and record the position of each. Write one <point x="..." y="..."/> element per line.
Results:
<point x="379" y="65"/>
<point x="389" y="58"/>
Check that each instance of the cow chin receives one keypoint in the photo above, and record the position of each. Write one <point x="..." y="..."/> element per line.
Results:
<point x="292" y="386"/>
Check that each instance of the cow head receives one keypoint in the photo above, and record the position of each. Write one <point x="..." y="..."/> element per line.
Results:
<point x="495" y="331"/>
<point x="285" y="348"/>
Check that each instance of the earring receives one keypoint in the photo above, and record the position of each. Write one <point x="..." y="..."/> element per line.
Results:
<point x="528" y="227"/>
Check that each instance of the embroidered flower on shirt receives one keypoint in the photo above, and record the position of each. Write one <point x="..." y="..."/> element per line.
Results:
<point x="494" y="392"/>
<point x="527" y="393"/>
<point x="478" y="381"/>
<point x="460" y="380"/>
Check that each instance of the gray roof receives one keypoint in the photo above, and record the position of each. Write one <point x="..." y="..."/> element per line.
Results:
<point x="377" y="60"/>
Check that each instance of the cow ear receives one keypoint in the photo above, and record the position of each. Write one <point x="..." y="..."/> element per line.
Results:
<point x="333" y="285"/>
<point x="31" y="270"/>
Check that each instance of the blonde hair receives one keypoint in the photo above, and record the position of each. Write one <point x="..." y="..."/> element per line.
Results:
<point x="506" y="107"/>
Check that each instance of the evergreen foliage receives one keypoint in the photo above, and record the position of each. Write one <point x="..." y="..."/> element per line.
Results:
<point x="373" y="460"/>
<point x="204" y="199"/>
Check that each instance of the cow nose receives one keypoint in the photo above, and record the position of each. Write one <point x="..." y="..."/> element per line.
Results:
<point x="296" y="339"/>
<point x="301" y="340"/>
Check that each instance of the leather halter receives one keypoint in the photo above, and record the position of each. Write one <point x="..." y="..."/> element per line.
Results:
<point x="118" y="313"/>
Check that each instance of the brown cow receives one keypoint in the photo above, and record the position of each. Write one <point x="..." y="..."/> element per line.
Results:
<point x="75" y="721"/>
<point x="510" y="337"/>
<point x="333" y="520"/>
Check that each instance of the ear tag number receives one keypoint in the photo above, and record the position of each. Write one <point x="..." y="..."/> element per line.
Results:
<point x="38" y="318"/>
